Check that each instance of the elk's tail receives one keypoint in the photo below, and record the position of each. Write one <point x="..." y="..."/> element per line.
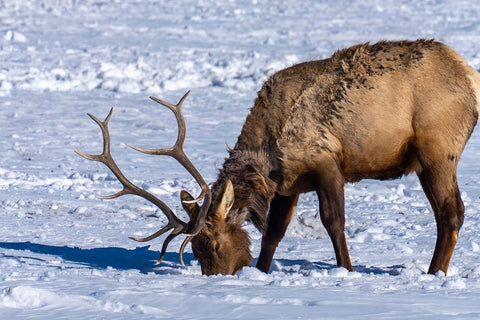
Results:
<point x="475" y="78"/>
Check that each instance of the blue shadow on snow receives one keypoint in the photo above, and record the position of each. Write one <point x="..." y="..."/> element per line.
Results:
<point x="143" y="259"/>
<point x="292" y="265"/>
<point x="140" y="258"/>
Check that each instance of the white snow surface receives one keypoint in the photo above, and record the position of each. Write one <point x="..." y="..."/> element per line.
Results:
<point x="65" y="254"/>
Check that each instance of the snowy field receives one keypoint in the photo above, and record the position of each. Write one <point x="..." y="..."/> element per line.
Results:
<point x="64" y="254"/>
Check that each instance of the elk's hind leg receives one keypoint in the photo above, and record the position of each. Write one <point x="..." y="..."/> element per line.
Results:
<point x="440" y="185"/>
<point x="279" y="216"/>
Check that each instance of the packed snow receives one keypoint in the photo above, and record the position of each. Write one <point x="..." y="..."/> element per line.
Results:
<point x="65" y="254"/>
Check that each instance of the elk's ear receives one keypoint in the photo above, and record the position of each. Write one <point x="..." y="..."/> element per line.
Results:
<point x="191" y="208"/>
<point x="226" y="200"/>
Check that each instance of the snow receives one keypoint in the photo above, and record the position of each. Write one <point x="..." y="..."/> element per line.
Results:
<point x="64" y="254"/>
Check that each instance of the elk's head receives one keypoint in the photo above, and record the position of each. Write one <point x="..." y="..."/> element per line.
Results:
<point x="218" y="242"/>
<point x="222" y="247"/>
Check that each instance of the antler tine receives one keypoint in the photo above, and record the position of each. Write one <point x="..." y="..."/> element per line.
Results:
<point x="153" y="235"/>
<point x="177" y="152"/>
<point x="182" y="248"/>
<point x="106" y="158"/>
<point x="165" y="243"/>
<point x="172" y="107"/>
<point x="164" y="248"/>
<point x="106" y="138"/>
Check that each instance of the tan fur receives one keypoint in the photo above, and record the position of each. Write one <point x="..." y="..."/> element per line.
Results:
<point x="370" y="111"/>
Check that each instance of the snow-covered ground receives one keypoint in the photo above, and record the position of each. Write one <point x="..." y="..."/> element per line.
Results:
<point x="64" y="254"/>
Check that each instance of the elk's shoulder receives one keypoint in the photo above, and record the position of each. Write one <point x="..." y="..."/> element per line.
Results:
<point x="274" y="102"/>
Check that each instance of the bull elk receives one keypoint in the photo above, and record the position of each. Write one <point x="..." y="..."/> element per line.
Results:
<point x="370" y="111"/>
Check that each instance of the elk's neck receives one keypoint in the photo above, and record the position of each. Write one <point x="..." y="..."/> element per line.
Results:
<point x="248" y="170"/>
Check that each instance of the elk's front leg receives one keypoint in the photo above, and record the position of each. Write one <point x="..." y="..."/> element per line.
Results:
<point x="279" y="216"/>
<point x="332" y="212"/>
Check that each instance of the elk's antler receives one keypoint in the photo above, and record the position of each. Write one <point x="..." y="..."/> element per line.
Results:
<point x="179" y="227"/>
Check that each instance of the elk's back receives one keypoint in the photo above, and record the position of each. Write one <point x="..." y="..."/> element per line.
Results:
<point x="367" y="109"/>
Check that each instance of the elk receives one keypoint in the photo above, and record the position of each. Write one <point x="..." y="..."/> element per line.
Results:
<point x="376" y="111"/>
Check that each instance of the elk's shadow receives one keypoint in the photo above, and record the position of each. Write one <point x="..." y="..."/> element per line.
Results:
<point x="143" y="259"/>
<point x="140" y="258"/>
<point x="293" y="265"/>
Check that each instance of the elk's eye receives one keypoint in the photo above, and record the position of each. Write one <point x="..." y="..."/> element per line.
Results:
<point x="217" y="247"/>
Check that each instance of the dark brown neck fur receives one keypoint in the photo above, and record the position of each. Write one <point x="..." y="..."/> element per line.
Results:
<point x="248" y="171"/>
